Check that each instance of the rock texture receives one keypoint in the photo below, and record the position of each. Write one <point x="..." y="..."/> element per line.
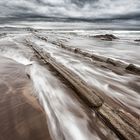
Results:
<point x="107" y="37"/>
<point x="137" y="40"/>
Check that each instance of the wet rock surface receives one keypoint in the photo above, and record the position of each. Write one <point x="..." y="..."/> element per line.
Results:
<point x="137" y="40"/>
<point x="107" y="37"/>
<point x="132" y="67"/>
<point x="65" y="92"/>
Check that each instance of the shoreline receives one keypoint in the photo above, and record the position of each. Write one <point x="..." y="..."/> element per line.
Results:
<point x="21" y="115"/>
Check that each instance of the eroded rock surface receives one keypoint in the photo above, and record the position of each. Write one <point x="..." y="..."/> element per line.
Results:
<point x="107" y="37"/>
<point x="137" y="40"/>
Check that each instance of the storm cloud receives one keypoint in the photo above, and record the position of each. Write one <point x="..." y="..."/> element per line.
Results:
<point x="89" y="10"/>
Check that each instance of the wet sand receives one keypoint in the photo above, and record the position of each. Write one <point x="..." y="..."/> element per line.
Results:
<point x="53" y="75"/>
<point x="21" y="117"/>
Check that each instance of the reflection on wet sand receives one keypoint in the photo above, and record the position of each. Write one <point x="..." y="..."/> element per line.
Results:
<point x="21" y="116"/>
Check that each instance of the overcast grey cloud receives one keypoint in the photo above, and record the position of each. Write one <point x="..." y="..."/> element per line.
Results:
<point x="69" y="9"/>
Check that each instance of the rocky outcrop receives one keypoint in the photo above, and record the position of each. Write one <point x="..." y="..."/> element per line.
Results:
<point x="123" y="124"/>
<point x="3" y="34"/>
<point x="108" y="37"/>
<point x="137" y="40"/>
<point x="132" y="67"/>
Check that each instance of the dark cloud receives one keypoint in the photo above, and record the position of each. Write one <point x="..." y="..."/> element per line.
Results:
<point x="81" y="3"/>
<point x="69" y="10"/>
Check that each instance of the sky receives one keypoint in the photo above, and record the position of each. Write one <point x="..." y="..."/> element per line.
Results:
<point x="70" y="10"/>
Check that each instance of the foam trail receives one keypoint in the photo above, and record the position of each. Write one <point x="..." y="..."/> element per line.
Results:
<point x="16" y="56"/>
<point x="67" y="118"/>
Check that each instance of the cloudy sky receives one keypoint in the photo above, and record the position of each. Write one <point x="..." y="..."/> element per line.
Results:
<point x="86" y="10"/>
